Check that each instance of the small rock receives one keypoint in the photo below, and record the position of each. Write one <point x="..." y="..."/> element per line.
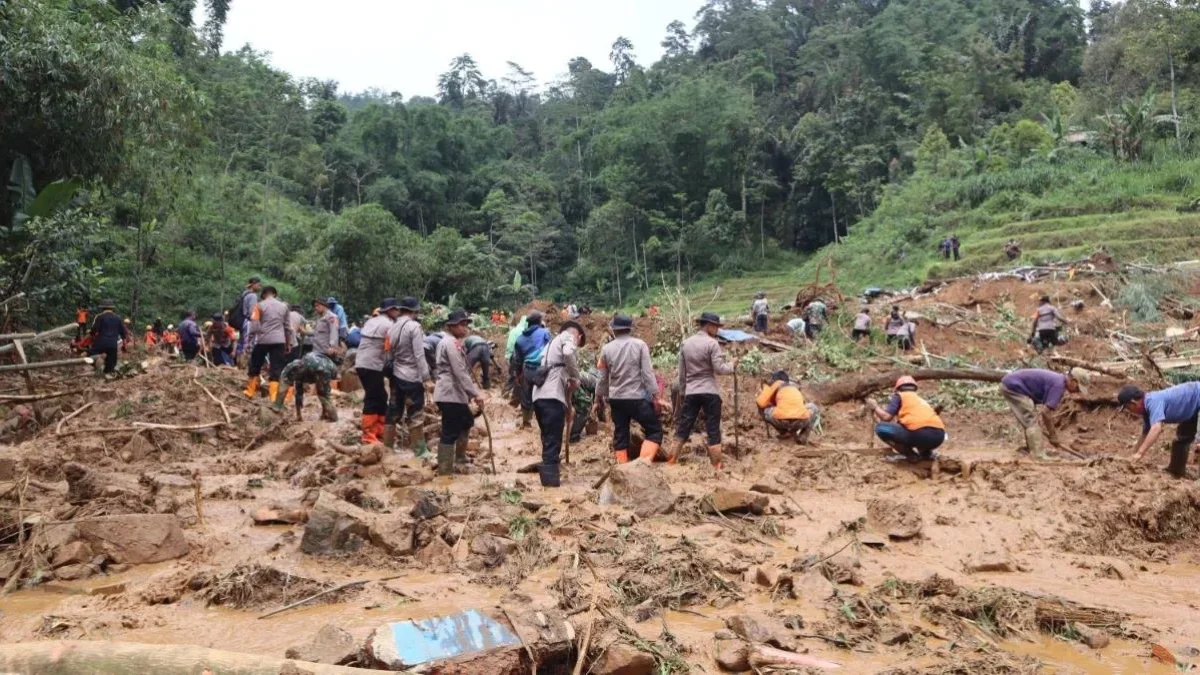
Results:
<point x="267" y="515"/>
<point x="765" y="575"/>
<point x="406" y="476"/>
<point x="1162" y="655"/>
<point x="136" y="449"/>
<point x="74" y="553"/>
<point x="1116" y="568"/>
<point x="813" y="586"/>
<point x="638" y="486"/>
<point x="749" y="628"/>
<point x="428" y="506"/>
<point x="8" y="469"/>
<point x="134" y="538"/>
<point x="625" y="520"/>
<point x="331" y="646"/>
<point x="393" y="534"/>
<point x="895" y="636"/>
<point x="437" y="553"/>
<point x="895" y="519"/>
<point x="532" y="506"/>
<point x="733" y="656"/>
<point x="73" y="572"/>
<point x="333" y="526"/>
<point x="724" y="500"/>
<point x="872" y="540"/>
<point x="107" y="589"/>
<point x="765" y="489"/>
<point x="990" y="561"/>
<point x="488" y="545"/>
<point x="621" y="659"/>
<point x="1096" y="639"/>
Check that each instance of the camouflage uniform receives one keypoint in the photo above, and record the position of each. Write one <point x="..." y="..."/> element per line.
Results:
<point x="315" y="368"/>
<point x="581" y="400"/>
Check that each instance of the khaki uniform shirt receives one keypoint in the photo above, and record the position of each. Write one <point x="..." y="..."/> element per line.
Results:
<point x="560" y="352"/>
<point x="406" y="342"/>
<point x="700" y="361"/>
<point x="625" y="370"/>
<point x="370" y="349"/>
<point x="269" y="322"/>
<point x="454" y="383"/>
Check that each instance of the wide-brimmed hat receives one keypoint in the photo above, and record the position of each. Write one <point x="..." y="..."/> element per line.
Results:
<point x="760" y="295"/>
<point x="324" y="302"/>
<point x="576" y="326"/>
<point x="254" y="280"/>
<point x="458" y="316"/>
<point x="388" y="303"/>
<point x="107" y="304"/>
<point x="621" y="322"/>
<point x="709" y="317"/>
<point x="409" y="304"/>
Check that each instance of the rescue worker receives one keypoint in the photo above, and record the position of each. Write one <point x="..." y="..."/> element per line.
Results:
<point x="319" y="367"/>
<point x="271" y="335"/>
<point x="796" y="326"/>
<point x="296" y="323"/>
<point x="895" y="325"/>
<point x="700" y="362"/>
<point x="221" y="341"/>
<point x="954" y="244"/>
<point x="1025" y="390"/>
<point x="1012" y="249"/>
<point x="410" y="371"/>
<point x="150" y="339"/>
<point x="369" y="363"/>
<point x="510" y="346"/>
<point x="944" y="248"/>
<point x="815" y="316"/>
<point x="160" y="330"/>
<point x="862" y="325"/>
<point x="906" y="336"/>
<point x="527" y="357"/>
<point x="170" y="340"/>
<point x="108" y="330"/>
<point x="246" y="302"/>
<point x="340" y="313"/>
<point x="189" y="336"/>
<point x="453" y="393"/>
<point x="583" y="399"/>
<point x="908" y="424"/>
<point x="781" y="404"/>
<point x="1047" y="321"/>
<point x="760" y="312"/>
<point x="479" y="353"/>
<point x="81" y="319"/>
<point x="430" y="346"/>
<point x="553" y="395"/>
<point x="627" y="383"/>
<point x="1179" y="405"/>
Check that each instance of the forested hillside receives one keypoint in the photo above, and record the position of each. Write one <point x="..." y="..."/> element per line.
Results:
<point x="150" y="163"/>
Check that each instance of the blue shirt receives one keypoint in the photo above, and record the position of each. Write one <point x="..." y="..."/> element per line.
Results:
<point x="531" y="344"/>
<point x="1176" y="405"/>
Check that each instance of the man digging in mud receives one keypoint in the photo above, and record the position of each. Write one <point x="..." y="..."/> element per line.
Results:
<point x="781" y="405"/>
<point x="452" y="394"/>
<point x="560" y="368"/>
<point x="405" y="344"/>
<point x="1047" y="321"/>
<point x="1178" y="405"/>
<point x="627" y="381"/>
<point x="1028" y="388"/>
<point x="908" y="424"/>
<point x="700" y="361"/>
<point x="318" y="367"/>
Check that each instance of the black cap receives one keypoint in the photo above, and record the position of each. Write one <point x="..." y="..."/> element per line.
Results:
<point x="458" y="316"/>
<point x="388" y="303"/>
<point x="409" y="304"/>
<point x="1130" y="393"/>
<point x="576" y="326"/>
<point x="621" y="322"/>
<point x="780" y="376"/>
<point x="709" y="317"/>
<point x="217" y="316"/>
<point x="1045" y="298"/>
<point x="535" y="317"/>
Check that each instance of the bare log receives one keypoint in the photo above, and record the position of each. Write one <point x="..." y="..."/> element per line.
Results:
<point x="27" y="398"/>
<point x="762" y="656"/>
<point x="1094" y="367"/>
<point x="42" y="365"/>
<point x="58" y="429"/>
<point x="37" y="337"/>
<point x="856" y="388"/>
<point x="17" y="336"/>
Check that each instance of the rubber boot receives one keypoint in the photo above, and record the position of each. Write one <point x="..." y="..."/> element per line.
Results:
<point x="673" y="452"/>
<point x="389" y="436"/>
<point x="335" y="385"/>
<point x="622" y="456"/>
<point x="416" y="439"/>
<point x="1033" y="440"/>
<point x="716" y="456"/>
<point x="648" y="452"/>
<point x="368" y="430"/>
<point x="802" y="435"/>
<point x="460" y="451"/>
<point x="328" y="412"/>
<point x="251" y="387"/>
<point x="526" y="418"/>
<point x="445" y="459"/>
<point x="272" y="390"/>
<point x="1180" y="449"/>
<point x="279" y="401"/>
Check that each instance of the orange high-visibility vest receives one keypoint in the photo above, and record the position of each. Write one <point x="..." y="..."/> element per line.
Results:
<point x="915" y="413"/>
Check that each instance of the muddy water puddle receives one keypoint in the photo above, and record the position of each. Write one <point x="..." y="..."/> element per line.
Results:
<point x="1121" y="657"/>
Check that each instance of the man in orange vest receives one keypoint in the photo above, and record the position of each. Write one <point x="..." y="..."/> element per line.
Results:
<point x="781" y="405"/>
<point x="81" y="319"/>
<point x="908" y="424"/>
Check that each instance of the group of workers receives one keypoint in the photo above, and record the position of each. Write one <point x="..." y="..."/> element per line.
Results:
<point x="949" y="247"/>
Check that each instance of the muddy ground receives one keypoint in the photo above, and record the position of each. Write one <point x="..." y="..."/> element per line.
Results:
<point x="985" y="562"/>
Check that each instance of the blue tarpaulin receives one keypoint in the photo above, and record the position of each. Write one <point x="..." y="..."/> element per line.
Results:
<point x="731" y="335"/>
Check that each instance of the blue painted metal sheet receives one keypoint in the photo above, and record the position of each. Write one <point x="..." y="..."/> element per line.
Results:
<point x="448" y="637"/>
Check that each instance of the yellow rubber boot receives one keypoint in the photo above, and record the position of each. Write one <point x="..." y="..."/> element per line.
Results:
<point x="272" y="390"/>
<point x="290" y="395"/>
<point x="251" y="387"/>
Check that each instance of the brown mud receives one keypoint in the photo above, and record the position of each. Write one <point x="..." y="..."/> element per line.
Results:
<point x="983" y="562"/>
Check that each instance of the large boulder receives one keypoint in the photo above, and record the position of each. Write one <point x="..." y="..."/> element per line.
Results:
<point x="134" y="538"/>
<point x="331" y="645"/>
<point x="621" y="659"/>
<point x="725" y="500"/>
<point x="334" y="525"/>
<point x="639" y="487"/>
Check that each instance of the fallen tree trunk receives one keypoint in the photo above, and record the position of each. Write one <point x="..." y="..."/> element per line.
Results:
<point x="856" y="388"/>
<point x="29" y="398"/>
<point x="1096" y="368"/>
<point x="41" y="336"/>
<point x="81" y="657"/>
<point x="41" y="365"/>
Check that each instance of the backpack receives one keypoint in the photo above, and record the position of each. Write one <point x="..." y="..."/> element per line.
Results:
<point x="237" y="318"/>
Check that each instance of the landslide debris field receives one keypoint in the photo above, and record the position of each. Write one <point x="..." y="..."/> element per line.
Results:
<point x="796" y="559"/>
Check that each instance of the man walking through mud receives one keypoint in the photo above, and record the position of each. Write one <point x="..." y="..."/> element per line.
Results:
<point x="552" y="395"/>
<point x="1028" y="388"/>
<point x="760" y="312"/>
<point x="369" y="363"/>
<point x="700" y="362"/>
<point x="526" y="358"/>
<point x="271" y="334"/>
<point x="1179" y="405"/>
<point x="405" y="344"/>
<point x="627" y="381"/>
<point x="453" y="393"/>
<point x="241" y="316"/>
<point x="107" y="332"/>
<point x="1047" y="321"/>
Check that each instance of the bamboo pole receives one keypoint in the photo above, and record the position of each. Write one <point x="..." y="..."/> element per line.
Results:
<point x="37" y="337"/>
<point x="22" y="367"/>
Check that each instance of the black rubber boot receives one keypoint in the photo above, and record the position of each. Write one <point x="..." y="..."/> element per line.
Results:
<point x="445" y="459"/>
<point x="1179" y="458"/>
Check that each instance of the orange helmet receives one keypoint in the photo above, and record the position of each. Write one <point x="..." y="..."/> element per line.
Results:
<point x="904" y="379"/>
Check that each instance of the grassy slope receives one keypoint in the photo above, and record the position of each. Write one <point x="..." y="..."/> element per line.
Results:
<point x="1057" y="211"/>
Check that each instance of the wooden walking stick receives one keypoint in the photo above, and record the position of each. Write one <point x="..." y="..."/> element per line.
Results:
<point x="491" y="448"/>
<point x="737" y="436"/>
<point x="570" y="425"/>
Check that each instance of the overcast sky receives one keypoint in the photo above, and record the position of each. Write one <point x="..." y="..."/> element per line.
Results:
<point x="403" y="45"/>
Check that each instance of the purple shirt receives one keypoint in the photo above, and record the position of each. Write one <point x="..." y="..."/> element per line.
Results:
<point x="1043" y="386"/>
